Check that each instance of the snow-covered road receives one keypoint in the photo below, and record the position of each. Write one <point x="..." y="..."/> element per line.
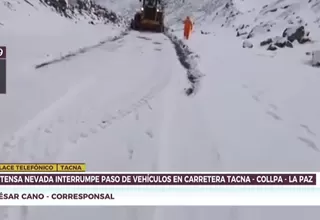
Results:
<point x="117" y="78"/>
<point x="117" y="119"/>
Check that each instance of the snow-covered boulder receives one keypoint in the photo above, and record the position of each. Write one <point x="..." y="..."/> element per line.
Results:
<point x="266" y="42"/>
<point x="279" y="41"/>
<point x="282" y="42"/>
<point x="247" y="44"/>
<point x="272" y="47"/>
<point x="276" y="42"/>
<point x="315" y="58"/>
<point x="296" y="34"/>
<point x="289" y="35"/>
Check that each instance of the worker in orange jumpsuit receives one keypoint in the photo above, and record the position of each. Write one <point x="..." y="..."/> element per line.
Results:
<point x="188" y="26"/>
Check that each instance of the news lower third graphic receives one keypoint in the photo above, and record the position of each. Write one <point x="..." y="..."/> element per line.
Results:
<point x="161" y="179"/>
<point x="65" y="184"/>
<point x="3" y="69"/>
<point x="43" y="167"/>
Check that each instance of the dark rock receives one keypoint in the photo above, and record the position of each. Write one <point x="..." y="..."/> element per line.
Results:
<point x="304" y="40"/>
<point x="241" y="27"/>
<point x="272" y="47"/>
<point x="266" y="42"/>
<point x="279" y="41"/>
<point x="293" y="34"/>
<point x="204" y="32"/>
<point x="280" y="44"/>
<point x="241" y="33"/>
<point x="250" y="35"/>
<point x="189" y="91"/>
<point x="289" y="44"/>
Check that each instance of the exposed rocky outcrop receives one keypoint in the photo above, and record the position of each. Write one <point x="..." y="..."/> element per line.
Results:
<point x="79" y="8"/>
<point x="289" y="36"/>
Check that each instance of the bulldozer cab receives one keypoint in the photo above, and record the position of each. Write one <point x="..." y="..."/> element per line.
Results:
<point x="151" y="9"/>
<point x="154" y="4"/>
<point x="151" y="3"/>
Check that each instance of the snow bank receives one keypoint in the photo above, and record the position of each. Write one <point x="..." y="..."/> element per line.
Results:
<point x="188" y="60"/>
<point x="315" y="58"/>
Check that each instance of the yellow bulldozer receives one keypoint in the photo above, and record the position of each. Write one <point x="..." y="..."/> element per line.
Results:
<point x="150" y="17"/>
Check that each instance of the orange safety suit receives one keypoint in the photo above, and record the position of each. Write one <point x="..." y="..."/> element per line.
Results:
<point x="188" y="26"/>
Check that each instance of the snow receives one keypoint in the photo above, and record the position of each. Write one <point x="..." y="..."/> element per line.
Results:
<point x="121" y="106"/>
<point x="124" y="7"/>
<point x="247" y="44"/>
<point x="316" y="58"/>
<point x="272" y="98"/>
<point x="29" y="45"/>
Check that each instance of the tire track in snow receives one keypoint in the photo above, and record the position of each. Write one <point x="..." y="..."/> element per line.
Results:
<point x="18" y="140"/>
<point x="81" y="50"/>
<point x="43" y="133"/>
<point x="123" y="112"/>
